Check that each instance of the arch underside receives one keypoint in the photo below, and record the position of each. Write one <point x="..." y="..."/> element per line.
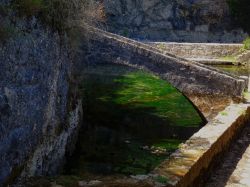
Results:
<point x="209" y="90"/>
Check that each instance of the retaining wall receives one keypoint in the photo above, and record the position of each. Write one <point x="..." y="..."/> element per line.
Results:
<point x="191" y="163"/>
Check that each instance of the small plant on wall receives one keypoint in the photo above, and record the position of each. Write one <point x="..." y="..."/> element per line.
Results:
<point x="246" y="43"/>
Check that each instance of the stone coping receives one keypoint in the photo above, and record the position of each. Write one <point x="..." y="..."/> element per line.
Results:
<point x="200" y="50"/>
<point x="189" y="43"/>
<point x="212" y="61"/>
<point x="193" y="159"/>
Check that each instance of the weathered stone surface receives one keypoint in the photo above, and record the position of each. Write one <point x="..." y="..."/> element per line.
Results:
<point x="244" y="58"/>
<point x="173" y="20"/>
<point x="233" y="170"/>
<point x="199" y="50"/>
<point x="39" y="117"/>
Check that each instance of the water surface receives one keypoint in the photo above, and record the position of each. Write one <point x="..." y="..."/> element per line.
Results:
<point x="234" y="69"/>
<point x="133" y="120"/>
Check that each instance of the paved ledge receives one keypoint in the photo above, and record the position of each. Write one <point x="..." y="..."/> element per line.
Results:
<point x="201" y="43"/>
<point x="192" y="161"/>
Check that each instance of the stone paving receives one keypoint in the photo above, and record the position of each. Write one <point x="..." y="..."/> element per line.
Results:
<point x="234" y="170"/>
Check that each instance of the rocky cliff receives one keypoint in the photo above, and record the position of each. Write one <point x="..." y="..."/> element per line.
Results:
<point x="173" y="20"/>
<point x="39" y="111"/>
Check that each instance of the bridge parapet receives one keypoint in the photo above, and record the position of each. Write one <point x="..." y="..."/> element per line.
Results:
<point x="199" y="50"/>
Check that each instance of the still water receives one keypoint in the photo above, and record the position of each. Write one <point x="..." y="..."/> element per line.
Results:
<point x="133" y="121"/>
<point x="235" y="70"/>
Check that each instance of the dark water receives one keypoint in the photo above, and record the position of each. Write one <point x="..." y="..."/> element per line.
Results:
<point x="132" y="122"/>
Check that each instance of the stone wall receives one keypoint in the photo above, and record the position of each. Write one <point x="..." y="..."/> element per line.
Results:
<point x="188" y="77"/>
<point x="199" y="50"/>
<point x="173" y="20"/>
<point x="39" y="116"/>
<point x="244" y="58"/>
<point x="191" y="164"/>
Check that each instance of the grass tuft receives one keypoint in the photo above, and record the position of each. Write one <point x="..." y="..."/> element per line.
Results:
<point x="246" y="43"/>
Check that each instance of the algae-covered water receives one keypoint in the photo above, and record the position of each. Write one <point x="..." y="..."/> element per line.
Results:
<point x="234" y="69"/>
<point x="133" y="121"/>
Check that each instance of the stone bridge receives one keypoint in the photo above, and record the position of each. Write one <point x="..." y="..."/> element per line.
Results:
<point x="206" y="53"/>
<point x="194" y="80"/>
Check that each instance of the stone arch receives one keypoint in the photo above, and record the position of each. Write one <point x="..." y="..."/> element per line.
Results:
<point x="193" y="79"/>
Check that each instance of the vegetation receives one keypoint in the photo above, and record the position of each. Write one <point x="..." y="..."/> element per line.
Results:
<point x="240" y="10"/>
<point x="67" y="181"/>
<point x="236" y="70"/>
<point x="246" y="43"/>
<point x="229" y="58"/>
<point x="168" y="144"/>
<point x="161" y="179"/>
<point x="223" y="113"/>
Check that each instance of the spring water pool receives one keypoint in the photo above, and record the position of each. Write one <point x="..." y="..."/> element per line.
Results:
<point x="133" y="121"/>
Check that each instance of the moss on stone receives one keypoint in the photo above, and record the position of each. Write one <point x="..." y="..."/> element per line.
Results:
<point x="168" y="144"/>
<point x="161" y="179"/>
<point x="229" y="58"/>
<point x="246" y="43"/>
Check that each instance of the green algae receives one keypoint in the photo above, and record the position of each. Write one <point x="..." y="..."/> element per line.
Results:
<point x="139" y="89"/>
<point x="223" y="113"/>
<point x="168" y="144"/>
<point x="229" y="58"/>
<point x="67" y="180"/>
<point x="161" y="179"/>
<point x="133" y="121"/>
<point x="235" y="70"/>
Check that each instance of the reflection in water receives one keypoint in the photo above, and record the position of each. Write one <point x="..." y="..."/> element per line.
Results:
<point x="132" y="122"/>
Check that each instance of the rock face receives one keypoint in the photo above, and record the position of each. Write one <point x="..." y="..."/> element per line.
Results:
<point x="173" y="20"/>
<point x="38" y="115"/>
